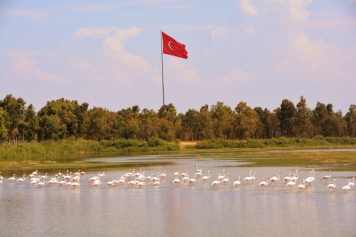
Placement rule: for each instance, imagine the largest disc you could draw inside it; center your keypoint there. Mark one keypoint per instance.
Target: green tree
(71, 116)
(190, 125)
(29, 126)
(2, 125)
(148, 124)
(50, 127)
(131, 120)
(168, 123)
(350, 118)
(320, 114)
(286, 116)
(246, 120)
(97, 123)
(205, 122)
(13, 114)
(222, 116)
(303, 119)
(261, 123)
(272, 124)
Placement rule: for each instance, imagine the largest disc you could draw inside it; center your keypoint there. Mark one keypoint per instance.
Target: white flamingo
(44, 176)
(198, 171)
(185, 179)
(34, 181)
(253, 176)
(41, 183)
(295, 177)
(111, 183)
(75, 184)
(225, 180)
(12, 178)
(215, 183)
(205, 178)
(264, 183)
(96, 183)
(221, 177)
(326, 177)
(249, 178)
(184, 174)
(154, 178)
(290, 184)
(176, 181)
(198, 175)
(274, 178)
(311, 178)
(191, 181)
(157, 183)
(346, 188)
(140, 184)
(287, 178)
(352, 183)
(163, 175)
(238, 182)
(20, 180)
(53, 181)
(332, 186)
(302, 186)
(138, 173)
(121, 181)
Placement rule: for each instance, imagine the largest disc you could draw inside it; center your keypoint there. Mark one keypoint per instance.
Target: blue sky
(107, 53)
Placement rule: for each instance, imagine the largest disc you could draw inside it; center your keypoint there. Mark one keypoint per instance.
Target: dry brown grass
(184, 145)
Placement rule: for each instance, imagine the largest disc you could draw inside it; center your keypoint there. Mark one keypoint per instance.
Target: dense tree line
(62, 119)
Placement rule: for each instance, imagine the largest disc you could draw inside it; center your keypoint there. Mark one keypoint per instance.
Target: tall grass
(82, 147)
(216, 143)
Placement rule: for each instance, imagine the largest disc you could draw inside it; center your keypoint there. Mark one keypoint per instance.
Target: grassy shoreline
(70, 154)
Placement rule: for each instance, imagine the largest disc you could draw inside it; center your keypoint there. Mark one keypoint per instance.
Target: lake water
(248, 210)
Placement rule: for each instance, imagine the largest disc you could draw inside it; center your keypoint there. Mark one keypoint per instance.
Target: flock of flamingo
(140, 179)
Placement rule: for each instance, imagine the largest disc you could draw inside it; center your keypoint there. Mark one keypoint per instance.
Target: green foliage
(2, 125)
(80, 146)
(275, 142)
(216, 143)
(63, 119)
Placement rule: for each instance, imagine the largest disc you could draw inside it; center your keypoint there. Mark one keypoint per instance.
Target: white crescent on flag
(169, 45)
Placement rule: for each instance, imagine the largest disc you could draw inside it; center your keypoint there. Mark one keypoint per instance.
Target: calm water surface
(249, 210)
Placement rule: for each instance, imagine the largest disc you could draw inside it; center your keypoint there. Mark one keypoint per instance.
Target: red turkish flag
(173, 47)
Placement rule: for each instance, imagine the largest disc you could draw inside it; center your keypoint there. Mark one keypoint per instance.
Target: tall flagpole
(162, 66)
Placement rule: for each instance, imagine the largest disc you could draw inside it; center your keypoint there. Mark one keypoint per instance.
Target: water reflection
(248, 210)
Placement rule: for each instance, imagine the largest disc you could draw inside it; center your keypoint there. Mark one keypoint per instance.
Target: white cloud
(81, 65)
(93, 32)
(331, 21)
(315, 61)
(313, 52)
(105, 6)
(233, 79)
(248, 29)
(248, 8)
(176, 71)
(298, 9)
(219, 33)
(32, 14)
(114, 44)
(187, 27)
(207, 52)
(25, 67)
